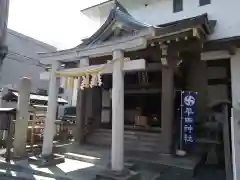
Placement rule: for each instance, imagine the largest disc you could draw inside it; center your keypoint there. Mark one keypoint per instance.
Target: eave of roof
(35, 97)
(201, 20)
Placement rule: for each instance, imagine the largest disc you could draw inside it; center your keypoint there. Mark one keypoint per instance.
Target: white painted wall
(158, 12)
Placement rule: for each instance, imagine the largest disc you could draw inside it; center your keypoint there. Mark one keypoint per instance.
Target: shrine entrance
(142, 101)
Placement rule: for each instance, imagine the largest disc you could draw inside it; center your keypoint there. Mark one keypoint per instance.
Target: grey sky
(56, 22)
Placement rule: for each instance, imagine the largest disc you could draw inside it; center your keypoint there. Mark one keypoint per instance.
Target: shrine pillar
(167, 115)
(118, 112)
(49, 127)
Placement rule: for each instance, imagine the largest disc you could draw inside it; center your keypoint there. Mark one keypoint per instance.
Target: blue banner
(188, 111)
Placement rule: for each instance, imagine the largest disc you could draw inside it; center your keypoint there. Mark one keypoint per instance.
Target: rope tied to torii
(88, 78)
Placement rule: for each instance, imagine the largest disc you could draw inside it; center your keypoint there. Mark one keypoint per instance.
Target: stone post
(49, 127)
(21, 124)
(118, 112)
(167, 109)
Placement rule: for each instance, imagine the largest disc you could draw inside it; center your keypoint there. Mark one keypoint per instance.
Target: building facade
(184, 46)
(21, 61)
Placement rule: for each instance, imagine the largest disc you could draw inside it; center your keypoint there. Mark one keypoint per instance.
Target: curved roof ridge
(118, 14)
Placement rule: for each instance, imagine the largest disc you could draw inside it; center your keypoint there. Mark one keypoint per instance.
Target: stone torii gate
(117, 68)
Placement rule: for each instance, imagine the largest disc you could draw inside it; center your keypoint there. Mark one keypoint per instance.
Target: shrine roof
(118, 20)
(14, 95)
(121, 28)
(201, 20)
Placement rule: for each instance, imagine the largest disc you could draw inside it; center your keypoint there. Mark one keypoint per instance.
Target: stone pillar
(167, 114)
(106, 106)
(118, 112)
(80, 108)
(235, 121)
(49, 127)
(21, 125)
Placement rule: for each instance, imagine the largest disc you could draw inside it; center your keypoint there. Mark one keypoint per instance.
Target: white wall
(161, 11)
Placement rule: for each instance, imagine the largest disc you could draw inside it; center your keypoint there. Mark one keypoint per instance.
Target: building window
(204, 2)
(177, 5)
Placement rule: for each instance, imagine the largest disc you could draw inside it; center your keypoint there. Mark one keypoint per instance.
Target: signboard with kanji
(188, 112)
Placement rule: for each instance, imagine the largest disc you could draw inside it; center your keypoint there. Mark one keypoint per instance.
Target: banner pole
(181, 123)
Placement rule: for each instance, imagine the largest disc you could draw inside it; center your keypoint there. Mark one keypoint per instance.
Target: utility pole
(4, 8)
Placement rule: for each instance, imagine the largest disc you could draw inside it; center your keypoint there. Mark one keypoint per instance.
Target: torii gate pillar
(49, 127)
(118, 112)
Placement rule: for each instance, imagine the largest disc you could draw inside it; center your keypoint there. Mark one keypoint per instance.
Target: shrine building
(130, 75)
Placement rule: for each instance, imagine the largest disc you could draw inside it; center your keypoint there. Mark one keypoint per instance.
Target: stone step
(127, 142)
(129, 146)
(128, 132)
(132, 140)
(166, 165)
(126, 139)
